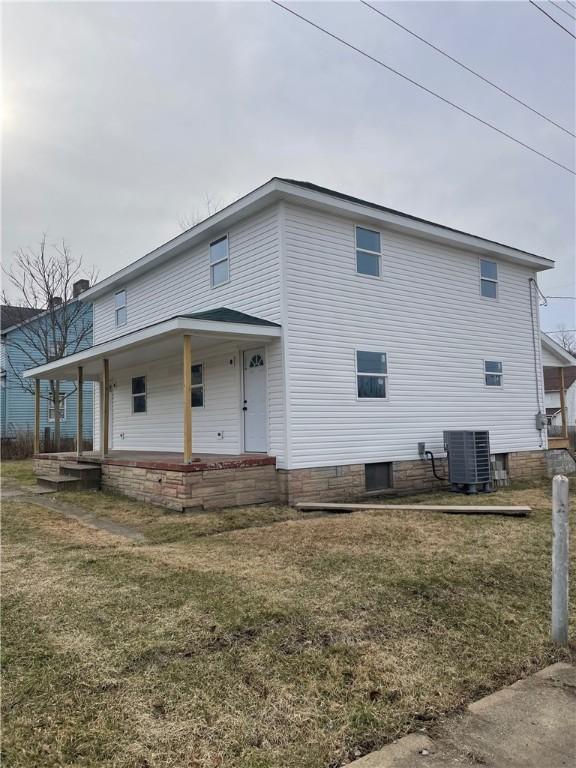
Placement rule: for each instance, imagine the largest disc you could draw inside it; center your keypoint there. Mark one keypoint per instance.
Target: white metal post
(560, 567)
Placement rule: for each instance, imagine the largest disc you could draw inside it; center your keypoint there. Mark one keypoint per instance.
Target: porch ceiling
(157, 341)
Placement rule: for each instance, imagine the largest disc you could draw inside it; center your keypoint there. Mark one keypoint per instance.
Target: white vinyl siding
(182, 285)
(429, 316)
(162, 428)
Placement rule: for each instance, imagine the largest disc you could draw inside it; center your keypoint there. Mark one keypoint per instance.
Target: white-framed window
(371, 375)
(197, 394)
(488, 279)
(219, 262)
(139, 394)
(120, 307)
(493, 373)
(51, 414)
(368, 252)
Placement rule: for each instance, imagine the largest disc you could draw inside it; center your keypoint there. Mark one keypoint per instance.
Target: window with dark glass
(51, 409)
(139, 394)
(493, 373)
(197, 386)
(219, 263)
(368, 253)
(371, 374)
(488, 279)
(120, 308)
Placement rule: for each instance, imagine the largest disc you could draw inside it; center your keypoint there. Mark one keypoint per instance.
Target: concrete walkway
(530, 724)
(31, 494)
(87, 518)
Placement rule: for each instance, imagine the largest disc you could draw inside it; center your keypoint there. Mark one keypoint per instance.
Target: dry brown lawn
(260, 638)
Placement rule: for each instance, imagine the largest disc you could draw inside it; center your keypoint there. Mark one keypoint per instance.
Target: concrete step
(79, 469)
(59, 483)
(88, 475)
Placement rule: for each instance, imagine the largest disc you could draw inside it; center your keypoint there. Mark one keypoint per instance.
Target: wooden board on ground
(468, 509)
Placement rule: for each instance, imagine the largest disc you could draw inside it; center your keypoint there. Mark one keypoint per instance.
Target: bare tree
(566, 339)
(44, 279)
(210, 206)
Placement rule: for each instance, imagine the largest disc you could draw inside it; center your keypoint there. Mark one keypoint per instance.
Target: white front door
(254, 406)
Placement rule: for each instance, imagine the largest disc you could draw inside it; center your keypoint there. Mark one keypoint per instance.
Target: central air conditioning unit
(468, 460)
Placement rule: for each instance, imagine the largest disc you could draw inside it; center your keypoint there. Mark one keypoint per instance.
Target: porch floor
(168, 460)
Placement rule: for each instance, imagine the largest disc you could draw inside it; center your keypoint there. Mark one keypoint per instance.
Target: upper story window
(139, 394)
(368, 252)
(219, 262)
(371, 374)
(120, 308)
(488, 279)
(198, 385)
(493, 373)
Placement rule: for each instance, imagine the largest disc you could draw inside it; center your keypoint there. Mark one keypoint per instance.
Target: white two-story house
(302, 342)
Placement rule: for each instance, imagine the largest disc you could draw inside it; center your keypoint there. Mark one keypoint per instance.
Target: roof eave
(174, 326)
(277, 189)
(556, 349)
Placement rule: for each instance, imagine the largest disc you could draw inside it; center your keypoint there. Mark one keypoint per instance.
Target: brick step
(88, 475)
(59, 482)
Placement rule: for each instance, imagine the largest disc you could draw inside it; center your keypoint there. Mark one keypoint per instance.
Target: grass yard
(259, 638)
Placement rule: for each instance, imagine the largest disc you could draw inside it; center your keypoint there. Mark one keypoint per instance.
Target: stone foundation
(345, 483)
(326, 483)
(214, 484)
(211, 488)
(527, 465)
(209, 484)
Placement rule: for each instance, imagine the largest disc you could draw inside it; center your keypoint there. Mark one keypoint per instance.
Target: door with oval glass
(254, 406)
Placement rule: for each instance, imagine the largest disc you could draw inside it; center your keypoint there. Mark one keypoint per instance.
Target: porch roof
(161, 340)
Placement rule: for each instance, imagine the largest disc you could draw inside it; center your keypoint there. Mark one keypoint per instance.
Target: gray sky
(121, 117)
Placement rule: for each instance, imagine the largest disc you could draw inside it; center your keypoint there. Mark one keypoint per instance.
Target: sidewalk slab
(530, 724)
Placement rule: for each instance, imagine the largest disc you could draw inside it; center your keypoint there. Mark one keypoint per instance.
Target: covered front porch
(182, 411)
(559, 367)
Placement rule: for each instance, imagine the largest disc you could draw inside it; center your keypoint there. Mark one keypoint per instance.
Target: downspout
(537, 362)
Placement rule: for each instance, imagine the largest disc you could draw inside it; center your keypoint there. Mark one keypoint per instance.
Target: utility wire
(572, 4)
(557, 5)
(551, 18)
(422, 87)
(570, 298)
(464, 66)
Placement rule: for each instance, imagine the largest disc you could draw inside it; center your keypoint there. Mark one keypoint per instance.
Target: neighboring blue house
(19, 351)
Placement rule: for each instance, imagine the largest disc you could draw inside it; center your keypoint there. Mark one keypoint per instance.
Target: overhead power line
(570, 298)
(551, 18)
(557, 5)
(571, 3)
(422, 87)
(467, 68)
